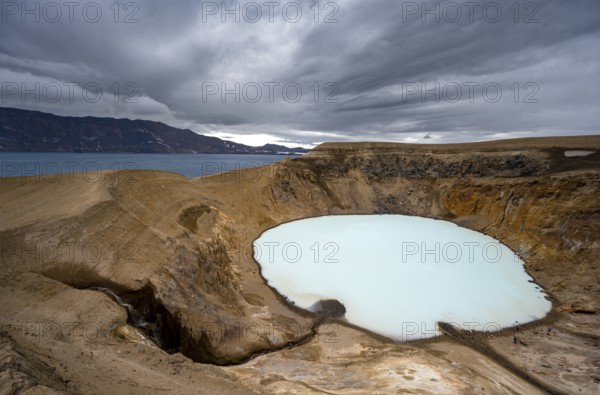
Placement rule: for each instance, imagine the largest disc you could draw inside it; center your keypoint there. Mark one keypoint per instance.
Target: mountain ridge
(36, 131)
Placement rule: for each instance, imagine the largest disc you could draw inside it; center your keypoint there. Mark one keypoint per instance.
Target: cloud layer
(301, 73)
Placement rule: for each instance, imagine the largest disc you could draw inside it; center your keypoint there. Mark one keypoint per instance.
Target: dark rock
(329, 308)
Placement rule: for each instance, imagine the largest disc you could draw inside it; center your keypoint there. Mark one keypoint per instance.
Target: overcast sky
(300, 74)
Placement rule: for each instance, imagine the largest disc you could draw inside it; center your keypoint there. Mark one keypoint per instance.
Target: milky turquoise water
(399, 276)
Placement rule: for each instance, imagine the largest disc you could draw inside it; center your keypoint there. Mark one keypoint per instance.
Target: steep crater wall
(194, 268)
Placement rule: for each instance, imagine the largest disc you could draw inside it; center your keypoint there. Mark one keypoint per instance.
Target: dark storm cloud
(369, 76)
(402, 48)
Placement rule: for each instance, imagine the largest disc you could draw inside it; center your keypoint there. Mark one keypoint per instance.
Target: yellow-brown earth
(179, 252)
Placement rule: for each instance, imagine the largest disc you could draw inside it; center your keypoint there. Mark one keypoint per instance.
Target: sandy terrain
(176, 256)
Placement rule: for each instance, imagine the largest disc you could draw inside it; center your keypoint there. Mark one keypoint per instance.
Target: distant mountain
(34, 131)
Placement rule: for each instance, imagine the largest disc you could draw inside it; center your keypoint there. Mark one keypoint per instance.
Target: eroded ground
(176, 256)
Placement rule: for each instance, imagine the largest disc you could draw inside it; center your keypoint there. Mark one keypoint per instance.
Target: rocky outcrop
(21, 372)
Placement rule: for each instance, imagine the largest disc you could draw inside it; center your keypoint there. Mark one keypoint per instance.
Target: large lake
(399, 276)
(17, 164)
